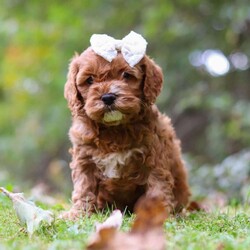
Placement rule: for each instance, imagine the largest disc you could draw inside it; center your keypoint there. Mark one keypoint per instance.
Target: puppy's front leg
(85, 185)
(160, 184)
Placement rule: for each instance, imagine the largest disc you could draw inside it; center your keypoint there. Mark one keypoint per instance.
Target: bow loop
(133, 47)
(104, 46)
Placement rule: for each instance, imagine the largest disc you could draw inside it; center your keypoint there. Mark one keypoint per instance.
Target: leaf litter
(147, 232)
(27, 212)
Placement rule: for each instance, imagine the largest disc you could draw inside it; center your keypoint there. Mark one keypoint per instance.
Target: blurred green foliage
(209, 110)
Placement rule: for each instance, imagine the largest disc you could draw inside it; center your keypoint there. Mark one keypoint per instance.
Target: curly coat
(116, 162)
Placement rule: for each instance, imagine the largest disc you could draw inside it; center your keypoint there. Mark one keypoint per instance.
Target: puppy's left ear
(153, 80)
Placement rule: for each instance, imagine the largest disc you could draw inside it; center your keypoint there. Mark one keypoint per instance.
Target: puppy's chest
(118, 164)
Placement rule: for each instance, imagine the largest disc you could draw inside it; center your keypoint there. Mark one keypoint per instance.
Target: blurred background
(203, 48)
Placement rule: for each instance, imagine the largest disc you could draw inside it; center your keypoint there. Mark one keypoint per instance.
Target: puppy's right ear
(71, 93)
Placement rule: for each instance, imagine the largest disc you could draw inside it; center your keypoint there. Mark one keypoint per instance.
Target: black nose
(108, 99)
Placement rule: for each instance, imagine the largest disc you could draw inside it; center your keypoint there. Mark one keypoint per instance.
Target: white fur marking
(111, 164)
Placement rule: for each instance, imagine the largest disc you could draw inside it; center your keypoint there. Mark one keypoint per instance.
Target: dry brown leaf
(150, 213)
(146, 233)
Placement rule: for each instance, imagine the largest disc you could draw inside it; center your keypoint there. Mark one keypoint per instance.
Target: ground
(224, 228)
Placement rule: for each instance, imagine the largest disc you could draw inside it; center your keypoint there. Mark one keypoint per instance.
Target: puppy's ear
(153, 80)
(71, 93)
(88, 130)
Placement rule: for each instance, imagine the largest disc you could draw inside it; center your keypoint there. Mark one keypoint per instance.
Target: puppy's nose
(108, 99)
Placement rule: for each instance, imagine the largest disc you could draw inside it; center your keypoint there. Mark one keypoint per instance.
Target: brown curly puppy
(123, 147)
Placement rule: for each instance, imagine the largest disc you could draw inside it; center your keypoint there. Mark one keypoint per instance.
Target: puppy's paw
(73, 214)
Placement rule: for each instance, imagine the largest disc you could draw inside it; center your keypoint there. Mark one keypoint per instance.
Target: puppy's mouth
(113, 117)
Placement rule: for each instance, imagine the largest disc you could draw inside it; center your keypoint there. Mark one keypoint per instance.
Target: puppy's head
(111, 93)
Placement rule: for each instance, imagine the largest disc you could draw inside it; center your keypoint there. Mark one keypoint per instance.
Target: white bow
(133, 47)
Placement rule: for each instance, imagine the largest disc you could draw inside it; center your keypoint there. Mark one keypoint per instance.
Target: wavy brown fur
(144, 139)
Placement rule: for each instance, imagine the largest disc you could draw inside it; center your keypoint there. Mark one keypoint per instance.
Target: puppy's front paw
(72, 214)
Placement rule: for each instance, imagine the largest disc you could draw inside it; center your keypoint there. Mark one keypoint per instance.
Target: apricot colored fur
(143, 143)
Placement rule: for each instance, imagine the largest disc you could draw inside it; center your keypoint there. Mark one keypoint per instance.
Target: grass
(221, 229)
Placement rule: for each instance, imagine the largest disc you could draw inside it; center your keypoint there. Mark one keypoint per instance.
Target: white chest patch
(111, 164)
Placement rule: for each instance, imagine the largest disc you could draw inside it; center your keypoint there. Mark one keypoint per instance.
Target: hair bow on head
(133, 47)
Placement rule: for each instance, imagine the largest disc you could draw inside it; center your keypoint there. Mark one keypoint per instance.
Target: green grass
(227, 229)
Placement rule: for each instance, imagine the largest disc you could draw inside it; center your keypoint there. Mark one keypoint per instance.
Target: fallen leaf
(27, 212)
(115, 221)
(150, 213)
(146, 234)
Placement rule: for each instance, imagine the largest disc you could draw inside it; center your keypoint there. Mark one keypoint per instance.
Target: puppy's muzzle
(108, 98)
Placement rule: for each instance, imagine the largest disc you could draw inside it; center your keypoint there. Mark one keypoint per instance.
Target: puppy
(123, 147)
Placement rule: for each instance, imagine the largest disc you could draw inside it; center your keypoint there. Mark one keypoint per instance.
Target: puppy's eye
(90, 80)
(126, 75)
